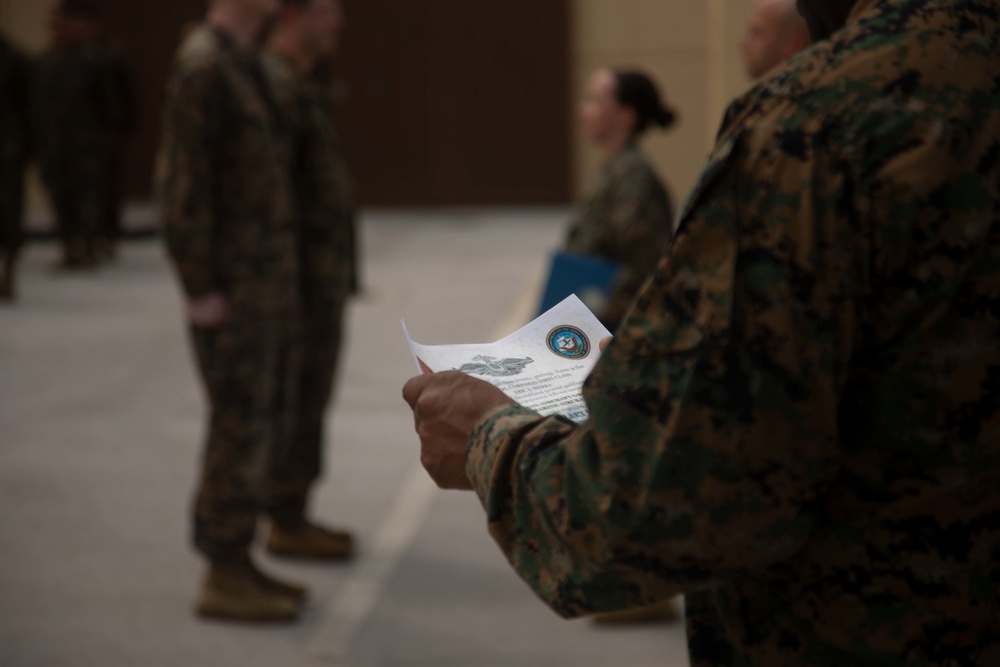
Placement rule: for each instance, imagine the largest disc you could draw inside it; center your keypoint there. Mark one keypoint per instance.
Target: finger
(414, 388)
(605, 342)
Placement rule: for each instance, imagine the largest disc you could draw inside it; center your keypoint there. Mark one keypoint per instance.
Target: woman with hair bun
(628, 218)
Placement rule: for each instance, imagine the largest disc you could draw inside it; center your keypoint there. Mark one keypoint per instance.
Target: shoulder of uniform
(201, 50)
(200, 62)
(633, 165)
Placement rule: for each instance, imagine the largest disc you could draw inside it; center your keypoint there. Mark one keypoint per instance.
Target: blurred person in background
(231, 233)
(628, 218)
(774, 32)
(307, 32)
(85, 109)
(15, 91)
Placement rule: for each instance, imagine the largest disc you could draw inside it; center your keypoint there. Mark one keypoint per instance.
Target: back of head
(637, 91)
(774, 32)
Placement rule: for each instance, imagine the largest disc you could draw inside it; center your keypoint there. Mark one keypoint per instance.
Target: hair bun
(665, 117)
(637, 91)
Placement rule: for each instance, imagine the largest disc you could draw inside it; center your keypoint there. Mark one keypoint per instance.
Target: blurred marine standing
(230, 230)
(628, 218)
(86, 107)
(15, 91)
(307, 32)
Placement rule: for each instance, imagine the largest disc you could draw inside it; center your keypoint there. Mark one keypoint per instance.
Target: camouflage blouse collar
(610, 164)
(628, 149)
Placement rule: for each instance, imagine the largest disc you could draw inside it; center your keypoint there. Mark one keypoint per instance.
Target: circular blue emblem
(569, 342)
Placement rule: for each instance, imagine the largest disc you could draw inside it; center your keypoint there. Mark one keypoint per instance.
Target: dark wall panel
(458, 102)
(448, 101)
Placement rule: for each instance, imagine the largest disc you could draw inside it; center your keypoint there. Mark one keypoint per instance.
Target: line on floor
(355, 604)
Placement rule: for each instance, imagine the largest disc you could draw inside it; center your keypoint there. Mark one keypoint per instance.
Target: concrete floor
(100, 430)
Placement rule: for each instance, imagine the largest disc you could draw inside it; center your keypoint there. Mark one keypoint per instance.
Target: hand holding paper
(446, 408)
(541, 366)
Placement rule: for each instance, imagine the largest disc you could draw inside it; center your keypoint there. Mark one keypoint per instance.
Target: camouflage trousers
(86, 196)
(246, 369)
(300, 462)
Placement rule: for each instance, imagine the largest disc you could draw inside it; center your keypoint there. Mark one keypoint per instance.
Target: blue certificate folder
(590, 278)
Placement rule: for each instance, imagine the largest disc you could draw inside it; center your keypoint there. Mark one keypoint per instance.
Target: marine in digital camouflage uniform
(628, 218)
(85, 108)
(324, 214)
(229, 228)
(798, 422)
(15, 89)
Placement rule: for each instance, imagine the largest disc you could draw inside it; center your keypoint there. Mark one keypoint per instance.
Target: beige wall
(23, 21)
(690, 47)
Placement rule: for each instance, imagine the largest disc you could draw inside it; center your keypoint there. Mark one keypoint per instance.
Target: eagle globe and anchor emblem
(568, 342)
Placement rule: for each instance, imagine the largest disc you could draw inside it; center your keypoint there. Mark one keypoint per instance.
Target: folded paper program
(542, 366)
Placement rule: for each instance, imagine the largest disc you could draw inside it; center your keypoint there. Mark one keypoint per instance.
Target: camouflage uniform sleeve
(713, 424)
(191, 143)
(641, 227)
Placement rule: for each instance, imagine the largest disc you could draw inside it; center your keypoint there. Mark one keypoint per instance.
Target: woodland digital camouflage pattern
(323, 204)
(627, 220)
(229, 227)
(85, 107)
(799, 423)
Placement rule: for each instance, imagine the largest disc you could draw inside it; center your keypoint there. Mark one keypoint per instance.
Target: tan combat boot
(238, 591)
(305, 540)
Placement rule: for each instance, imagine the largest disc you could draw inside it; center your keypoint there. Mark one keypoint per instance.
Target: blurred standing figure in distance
(628, 218)
(15, 92)
(230, 231)
(797, 425)
(308, 31)
(86, 107)
(774, 32)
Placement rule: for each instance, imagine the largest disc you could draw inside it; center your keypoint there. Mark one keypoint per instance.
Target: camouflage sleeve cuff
(488, 438)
